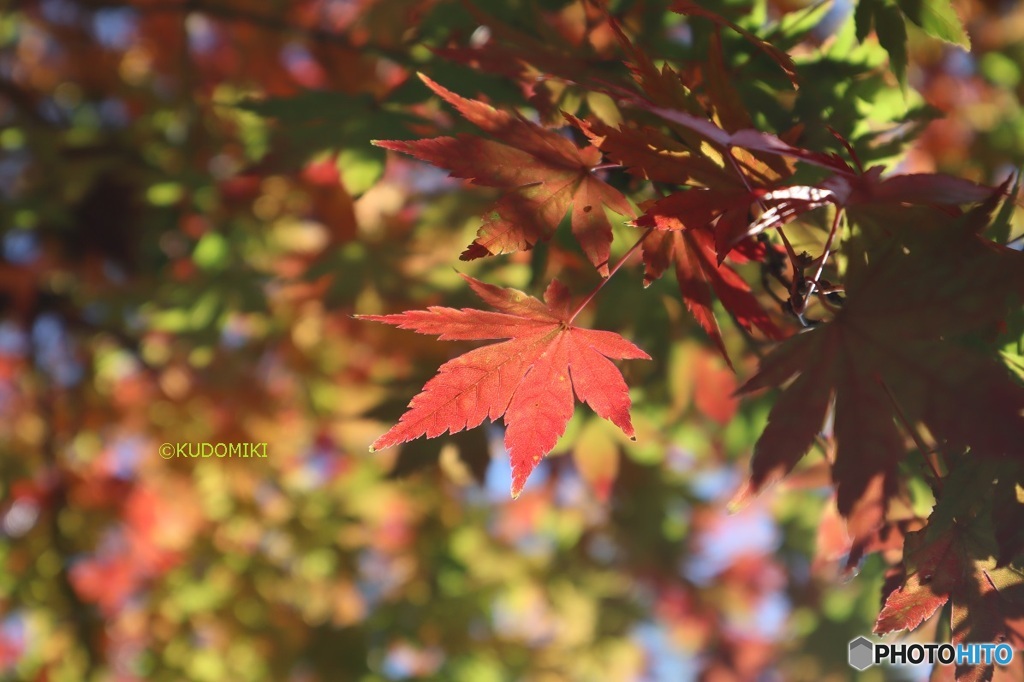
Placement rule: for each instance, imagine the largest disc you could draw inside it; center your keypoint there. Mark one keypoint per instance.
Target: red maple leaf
(726, 208)
(528, 379)
(699, 276)
(544, 174)
(952, 559)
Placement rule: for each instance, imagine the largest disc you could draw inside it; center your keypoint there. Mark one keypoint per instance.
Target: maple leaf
(662, 86)
(563, 51)
(913, 293)
(1008, 512)
(988, 602)
(748, 139)
(543, 173)
(651, 154)
(726, 207)
(529, 379)
(952, 559)
(784, 61)
(700, 276)
(724, 96)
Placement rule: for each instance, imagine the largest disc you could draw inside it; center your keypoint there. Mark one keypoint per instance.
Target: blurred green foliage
(192, 211)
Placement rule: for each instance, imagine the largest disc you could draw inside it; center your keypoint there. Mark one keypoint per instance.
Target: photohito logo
(865, 653)
(861, 653)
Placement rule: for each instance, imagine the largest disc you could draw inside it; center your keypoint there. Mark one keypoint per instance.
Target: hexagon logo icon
(862, 653)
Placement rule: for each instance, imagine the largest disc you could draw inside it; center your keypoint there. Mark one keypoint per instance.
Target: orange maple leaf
(543, 173)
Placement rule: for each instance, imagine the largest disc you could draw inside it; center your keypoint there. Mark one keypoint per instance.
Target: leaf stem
(760, 203)
(615, 268)
(824, 257)
(739, 171)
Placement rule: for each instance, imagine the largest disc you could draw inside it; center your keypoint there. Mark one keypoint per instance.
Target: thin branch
(611, 273)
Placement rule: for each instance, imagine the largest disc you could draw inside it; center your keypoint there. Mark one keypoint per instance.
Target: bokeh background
(191, 212)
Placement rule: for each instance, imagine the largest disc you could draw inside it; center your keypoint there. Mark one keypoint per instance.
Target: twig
(615, 268)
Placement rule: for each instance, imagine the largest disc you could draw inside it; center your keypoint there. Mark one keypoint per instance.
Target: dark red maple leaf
(528, 379)
(913, 293)
(544, 174)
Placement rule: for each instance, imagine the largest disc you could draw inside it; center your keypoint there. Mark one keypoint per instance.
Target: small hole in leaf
(588, 209)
